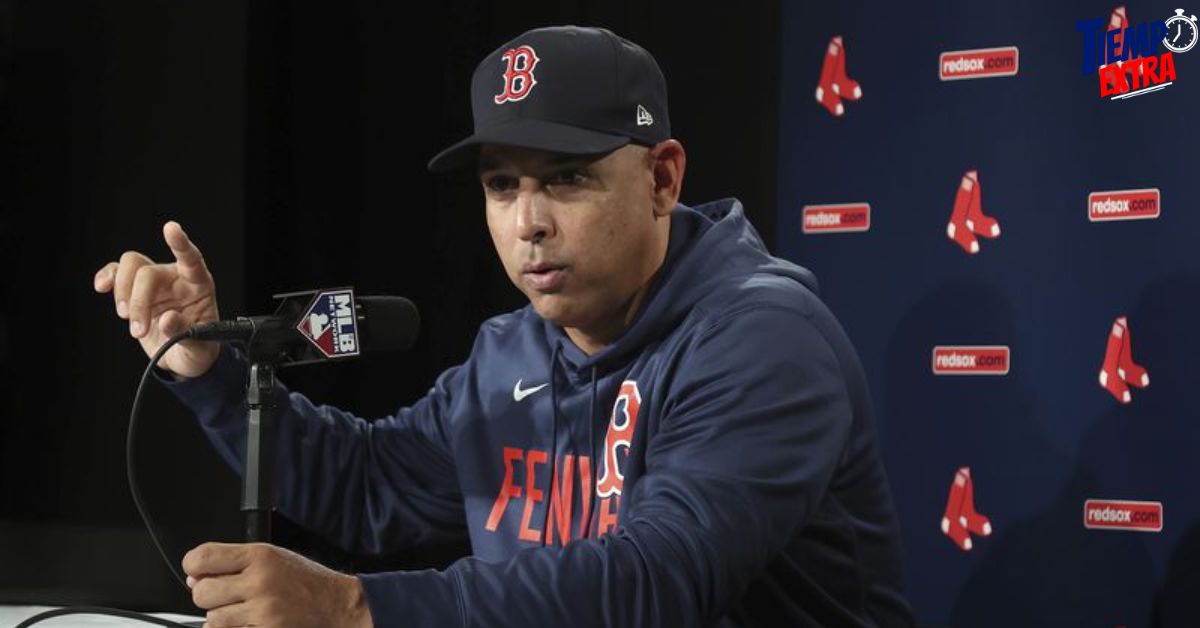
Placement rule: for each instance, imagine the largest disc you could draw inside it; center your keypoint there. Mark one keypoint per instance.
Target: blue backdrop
(1046, 437)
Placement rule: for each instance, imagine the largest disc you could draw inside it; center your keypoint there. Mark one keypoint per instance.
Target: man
(674, 432)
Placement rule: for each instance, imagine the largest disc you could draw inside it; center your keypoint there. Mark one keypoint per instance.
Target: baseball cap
(566, 89)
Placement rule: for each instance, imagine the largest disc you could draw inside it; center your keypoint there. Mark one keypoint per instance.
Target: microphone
(318, 325)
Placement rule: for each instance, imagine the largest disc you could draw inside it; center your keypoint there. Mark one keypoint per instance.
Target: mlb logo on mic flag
(330, 323)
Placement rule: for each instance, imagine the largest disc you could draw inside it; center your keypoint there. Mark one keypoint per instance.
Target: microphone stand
(266, 350)
(258, 482)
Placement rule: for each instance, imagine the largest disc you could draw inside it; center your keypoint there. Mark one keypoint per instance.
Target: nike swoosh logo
(519, 394)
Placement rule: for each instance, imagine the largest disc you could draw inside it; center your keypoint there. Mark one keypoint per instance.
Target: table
(12, 615)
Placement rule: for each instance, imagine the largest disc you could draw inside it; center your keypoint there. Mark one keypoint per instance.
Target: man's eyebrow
(487, 163)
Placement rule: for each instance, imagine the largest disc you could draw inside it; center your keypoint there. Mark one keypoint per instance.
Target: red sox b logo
(518, 77)
(620, 434)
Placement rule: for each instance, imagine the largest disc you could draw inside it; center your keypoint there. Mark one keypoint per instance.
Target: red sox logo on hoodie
(525, 493)
(620, 434)
(518, 77)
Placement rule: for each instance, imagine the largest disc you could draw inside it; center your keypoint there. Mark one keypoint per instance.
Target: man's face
(577, 235)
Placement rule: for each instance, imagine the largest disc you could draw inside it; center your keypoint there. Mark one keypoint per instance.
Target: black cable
(100, 610)
(129, 449)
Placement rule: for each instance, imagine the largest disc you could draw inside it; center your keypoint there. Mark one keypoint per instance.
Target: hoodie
(717, 464)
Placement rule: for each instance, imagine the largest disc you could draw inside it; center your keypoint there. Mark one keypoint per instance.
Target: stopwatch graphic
(1181, 32)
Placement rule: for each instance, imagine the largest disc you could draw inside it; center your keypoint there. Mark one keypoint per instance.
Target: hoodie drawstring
(553, 442)
(554, 448)
(592, 450)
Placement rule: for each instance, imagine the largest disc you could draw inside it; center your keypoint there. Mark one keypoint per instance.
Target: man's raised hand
(161, 300)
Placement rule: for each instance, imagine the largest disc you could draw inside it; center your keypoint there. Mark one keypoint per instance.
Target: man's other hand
(257, 584)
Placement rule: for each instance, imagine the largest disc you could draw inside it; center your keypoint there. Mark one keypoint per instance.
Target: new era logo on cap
(564, 89)
(643, 117)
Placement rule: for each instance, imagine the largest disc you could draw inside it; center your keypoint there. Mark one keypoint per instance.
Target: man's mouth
(544, 276)
(540, 267)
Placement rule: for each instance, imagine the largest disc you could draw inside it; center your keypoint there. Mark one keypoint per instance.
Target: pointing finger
(188, 258)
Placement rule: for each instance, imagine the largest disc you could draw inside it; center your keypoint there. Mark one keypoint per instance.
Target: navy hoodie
(717, 464)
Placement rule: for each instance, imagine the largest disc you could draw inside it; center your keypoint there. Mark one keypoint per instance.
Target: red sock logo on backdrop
(1119, 368)
(967, 219)
(960, 520)
(834, 84)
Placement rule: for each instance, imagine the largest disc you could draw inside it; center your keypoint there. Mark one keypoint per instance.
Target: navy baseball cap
(566, 89)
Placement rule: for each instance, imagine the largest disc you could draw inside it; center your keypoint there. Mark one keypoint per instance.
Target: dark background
(290, 141)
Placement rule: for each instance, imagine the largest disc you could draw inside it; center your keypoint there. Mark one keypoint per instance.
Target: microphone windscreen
(388, 323)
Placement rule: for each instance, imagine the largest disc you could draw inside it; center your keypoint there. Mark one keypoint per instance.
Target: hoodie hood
(709, 245)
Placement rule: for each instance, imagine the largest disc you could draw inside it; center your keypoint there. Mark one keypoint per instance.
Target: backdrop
(1023, 138)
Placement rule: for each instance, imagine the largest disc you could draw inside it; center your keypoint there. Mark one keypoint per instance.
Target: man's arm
(755, 425)
(370, 486)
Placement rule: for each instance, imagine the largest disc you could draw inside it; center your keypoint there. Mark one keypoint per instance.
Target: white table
(12, 615)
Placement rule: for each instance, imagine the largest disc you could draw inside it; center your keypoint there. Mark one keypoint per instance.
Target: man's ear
(667, 161)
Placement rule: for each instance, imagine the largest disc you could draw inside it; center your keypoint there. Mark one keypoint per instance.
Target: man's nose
(534, 222)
